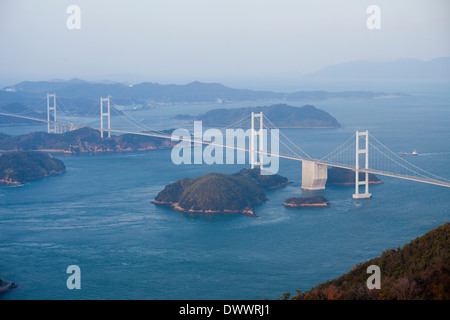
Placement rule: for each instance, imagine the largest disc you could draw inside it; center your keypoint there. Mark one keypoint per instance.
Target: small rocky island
(345, 177)
(23, 166)
(314, 201)
(83, 140)
(6, 285)
(220, 193)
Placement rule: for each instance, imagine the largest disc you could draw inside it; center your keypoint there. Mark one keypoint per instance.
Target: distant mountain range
(403, 69)
(81, 97)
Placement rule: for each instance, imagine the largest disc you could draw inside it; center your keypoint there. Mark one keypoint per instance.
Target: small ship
(405, 154)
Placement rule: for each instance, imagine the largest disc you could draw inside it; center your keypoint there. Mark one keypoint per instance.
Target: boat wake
(433, 153)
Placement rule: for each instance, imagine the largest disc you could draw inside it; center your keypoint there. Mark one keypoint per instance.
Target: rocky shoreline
(6, 286)
(93, 151)
(315, 201)
(10, 182)
(292, 205)
(176, 207)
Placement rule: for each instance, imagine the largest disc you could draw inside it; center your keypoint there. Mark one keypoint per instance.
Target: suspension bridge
(353, 154)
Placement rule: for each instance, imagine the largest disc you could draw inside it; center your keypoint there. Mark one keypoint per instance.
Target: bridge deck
(285, 156)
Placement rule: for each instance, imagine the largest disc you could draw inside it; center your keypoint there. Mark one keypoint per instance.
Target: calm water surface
(99, 215)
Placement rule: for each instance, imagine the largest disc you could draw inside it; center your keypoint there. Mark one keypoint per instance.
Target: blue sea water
(99, 215)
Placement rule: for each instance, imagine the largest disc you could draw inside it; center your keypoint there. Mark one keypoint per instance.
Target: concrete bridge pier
(314, 175)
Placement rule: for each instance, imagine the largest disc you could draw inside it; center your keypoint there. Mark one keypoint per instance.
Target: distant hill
(22, 167)
(82, 96)
(281, 115)
(43, 86)
(219, 193)
(402, 69)
(83, 140)
(418, 271)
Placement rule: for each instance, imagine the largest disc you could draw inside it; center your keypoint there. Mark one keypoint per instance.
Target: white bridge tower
(256, 147)
(105, 114)
(51, 107)
(364, 151)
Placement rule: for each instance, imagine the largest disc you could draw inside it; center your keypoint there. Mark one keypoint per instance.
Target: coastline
(10, 182)
(176, 207)
(84, 151)
(293, 205)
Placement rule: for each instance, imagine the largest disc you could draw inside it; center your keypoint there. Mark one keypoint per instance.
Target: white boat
(405, 154)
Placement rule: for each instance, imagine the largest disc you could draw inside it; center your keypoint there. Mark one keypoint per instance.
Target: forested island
(281, 115)
(341, 176)
(83, 140)
(418, 271)
(314, 201)
(220, 193)
(21, 167)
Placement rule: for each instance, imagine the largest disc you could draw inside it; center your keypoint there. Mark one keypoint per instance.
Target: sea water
(99, 214)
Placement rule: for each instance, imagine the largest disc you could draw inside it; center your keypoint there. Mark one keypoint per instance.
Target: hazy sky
(177, 41)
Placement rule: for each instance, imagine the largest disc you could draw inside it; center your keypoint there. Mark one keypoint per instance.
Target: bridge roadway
(291, 157)
(36, 119)
(280, 155)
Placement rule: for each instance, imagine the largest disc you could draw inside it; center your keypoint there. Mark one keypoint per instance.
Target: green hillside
(418, 271)
(217, 192)
(21, 167)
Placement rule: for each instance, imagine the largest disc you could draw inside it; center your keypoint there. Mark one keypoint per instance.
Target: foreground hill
(21, 167)
(420, 270)
(219, 193)
(83, 140)
(281, 115)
